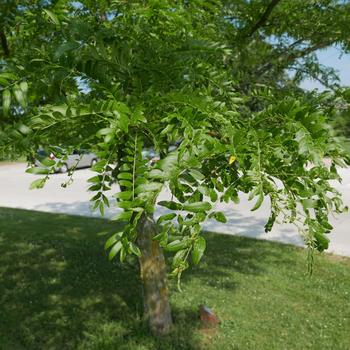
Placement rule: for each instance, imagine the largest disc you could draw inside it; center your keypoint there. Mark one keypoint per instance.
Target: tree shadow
(59, 291)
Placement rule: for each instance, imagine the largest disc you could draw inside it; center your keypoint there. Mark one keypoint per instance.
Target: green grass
(58, 291)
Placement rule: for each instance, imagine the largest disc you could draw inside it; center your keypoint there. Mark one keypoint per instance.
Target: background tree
(116, 76)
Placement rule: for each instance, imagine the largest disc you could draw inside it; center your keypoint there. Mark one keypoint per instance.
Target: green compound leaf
(198, 250)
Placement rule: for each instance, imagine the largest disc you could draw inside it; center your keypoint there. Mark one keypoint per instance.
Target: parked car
(79, 159)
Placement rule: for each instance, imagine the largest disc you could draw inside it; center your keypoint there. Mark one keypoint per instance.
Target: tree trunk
(153, 275)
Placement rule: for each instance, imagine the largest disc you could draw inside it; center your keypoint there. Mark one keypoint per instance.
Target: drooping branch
(4, 43)
(263, 19)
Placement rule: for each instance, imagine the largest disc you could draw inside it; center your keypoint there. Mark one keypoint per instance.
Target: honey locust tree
(207, 76)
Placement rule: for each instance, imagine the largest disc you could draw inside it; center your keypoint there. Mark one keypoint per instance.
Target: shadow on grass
(58, 290)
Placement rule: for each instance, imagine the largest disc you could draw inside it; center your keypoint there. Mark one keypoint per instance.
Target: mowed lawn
(58, 291)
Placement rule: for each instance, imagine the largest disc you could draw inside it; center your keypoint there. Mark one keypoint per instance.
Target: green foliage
(137, 196)
(121, 76)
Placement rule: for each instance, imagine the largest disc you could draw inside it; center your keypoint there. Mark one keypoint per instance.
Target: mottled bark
(153, 275)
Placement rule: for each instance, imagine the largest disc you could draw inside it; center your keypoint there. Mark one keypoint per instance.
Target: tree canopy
(213, 77)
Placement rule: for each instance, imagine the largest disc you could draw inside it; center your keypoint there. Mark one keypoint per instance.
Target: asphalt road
(15, 193)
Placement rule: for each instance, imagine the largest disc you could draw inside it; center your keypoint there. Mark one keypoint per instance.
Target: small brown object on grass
(208, 317)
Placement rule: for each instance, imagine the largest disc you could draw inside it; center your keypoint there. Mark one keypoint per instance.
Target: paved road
(15, 193)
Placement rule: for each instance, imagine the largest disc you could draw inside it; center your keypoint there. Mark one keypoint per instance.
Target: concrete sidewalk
(15, 193)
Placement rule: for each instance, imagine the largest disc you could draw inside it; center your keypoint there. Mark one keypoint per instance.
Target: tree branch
(307, 51)
(315, 77)
(265, 16)
(4, 43)
(285, 59)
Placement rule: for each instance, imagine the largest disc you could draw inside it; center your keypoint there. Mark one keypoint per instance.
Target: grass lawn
(58, 291)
